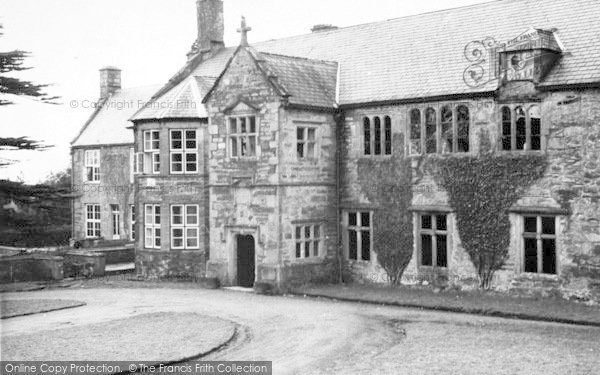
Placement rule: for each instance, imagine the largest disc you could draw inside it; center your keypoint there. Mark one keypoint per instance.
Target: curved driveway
(310, 336)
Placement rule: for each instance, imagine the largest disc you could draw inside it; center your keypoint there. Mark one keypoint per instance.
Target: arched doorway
(245, 260)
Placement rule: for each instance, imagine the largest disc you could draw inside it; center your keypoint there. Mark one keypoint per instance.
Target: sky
(70, 40)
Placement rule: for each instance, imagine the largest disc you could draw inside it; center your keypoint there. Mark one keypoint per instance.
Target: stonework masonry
(570, 124)
(114, 187)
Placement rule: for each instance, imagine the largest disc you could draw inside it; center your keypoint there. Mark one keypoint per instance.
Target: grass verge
(470, 302)
(14, 308)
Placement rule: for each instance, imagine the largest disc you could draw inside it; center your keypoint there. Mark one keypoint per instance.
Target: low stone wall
(165, 264)
(116, 255)
(84, 263)
(31, 267)
(303, 273)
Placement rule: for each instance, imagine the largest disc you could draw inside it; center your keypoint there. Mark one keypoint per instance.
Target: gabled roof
(307, 82)
(109, 123)
(423, 56)
(182, 101)
(301, 81)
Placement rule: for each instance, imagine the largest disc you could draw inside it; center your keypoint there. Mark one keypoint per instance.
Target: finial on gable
(244, 31)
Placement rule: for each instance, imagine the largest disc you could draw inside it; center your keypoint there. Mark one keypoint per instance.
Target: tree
(12, 61)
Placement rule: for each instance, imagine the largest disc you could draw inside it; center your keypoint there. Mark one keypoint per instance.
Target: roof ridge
(298, 57)
(342, 28)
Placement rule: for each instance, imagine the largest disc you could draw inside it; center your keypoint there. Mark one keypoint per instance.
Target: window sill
(432, 269)
(521, 152)
(440, 155)
(363, 156)
(92, 182)
(312, 260)
(359, 261)
(538, 276)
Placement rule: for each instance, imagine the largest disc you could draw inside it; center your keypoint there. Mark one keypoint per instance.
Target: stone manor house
(263, 162)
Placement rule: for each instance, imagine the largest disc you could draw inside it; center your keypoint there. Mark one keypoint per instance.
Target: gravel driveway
(324, 337)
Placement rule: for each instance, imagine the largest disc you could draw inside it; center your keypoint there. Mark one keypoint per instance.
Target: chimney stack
(210, 27)
(323, 27)
(110, 81)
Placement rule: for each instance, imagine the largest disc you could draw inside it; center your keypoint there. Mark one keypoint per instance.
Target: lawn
(160, 337)
(13, 308)
(474, 302)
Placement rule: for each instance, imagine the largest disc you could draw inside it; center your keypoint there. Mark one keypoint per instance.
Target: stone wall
(167, 189)
(32, 267)
(264, 195)
(115, 187)
(571, 185)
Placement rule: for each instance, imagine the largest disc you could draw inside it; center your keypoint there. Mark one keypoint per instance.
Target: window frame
(359, 229)
(184, 151)
(153, 226)
(433, 232)
(527, 109)
(305, 141)
(439, 138)
(96, 211)
(238, 134)
(301, 241)
(184, 226)
(149, 139)
(91, 162)
(132, 218)
(538, 236)
(377, 126)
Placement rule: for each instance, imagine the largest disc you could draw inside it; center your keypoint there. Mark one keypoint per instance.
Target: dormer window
(530, 56)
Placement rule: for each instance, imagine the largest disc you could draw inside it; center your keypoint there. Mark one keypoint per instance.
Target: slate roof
(422, 56)
(182, 101)
(108, 124)
(307, 82)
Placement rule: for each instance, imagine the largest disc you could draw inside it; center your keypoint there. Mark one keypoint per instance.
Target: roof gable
(301, 81)
(109, 122)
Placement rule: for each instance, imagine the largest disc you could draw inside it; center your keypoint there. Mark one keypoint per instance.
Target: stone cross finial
(244, 31)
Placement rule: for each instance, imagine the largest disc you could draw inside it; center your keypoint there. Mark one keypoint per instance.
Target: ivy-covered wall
(564, 179)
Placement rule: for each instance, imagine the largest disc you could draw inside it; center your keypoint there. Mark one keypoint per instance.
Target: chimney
(110, 81)
(210, 27)
(323, 27)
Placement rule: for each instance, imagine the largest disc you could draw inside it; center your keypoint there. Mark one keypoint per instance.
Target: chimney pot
(110, 81)
(323, 27)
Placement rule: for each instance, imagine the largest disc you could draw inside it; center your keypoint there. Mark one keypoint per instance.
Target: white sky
(148, 39)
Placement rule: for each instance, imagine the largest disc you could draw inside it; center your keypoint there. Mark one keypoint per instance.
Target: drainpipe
(339, 122)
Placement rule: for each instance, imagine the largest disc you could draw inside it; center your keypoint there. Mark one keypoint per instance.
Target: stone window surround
(184, 151)
(526, 107)
(238, 135)
(91, 166)
(345, 234)
(385, 143)
(96, 220)
(306, 141)
(152, 225)
(312, 239)
(184, 226)
(433, 232)
(516, 216)
(437, 107)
